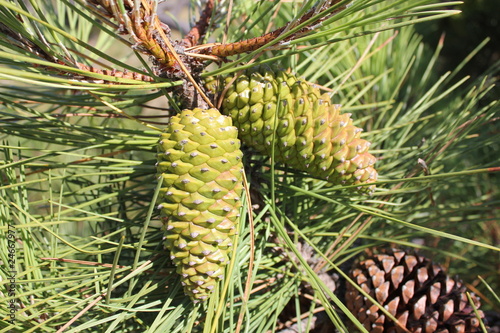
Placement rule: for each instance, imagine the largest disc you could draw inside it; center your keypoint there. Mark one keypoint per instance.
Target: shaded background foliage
(479, 19)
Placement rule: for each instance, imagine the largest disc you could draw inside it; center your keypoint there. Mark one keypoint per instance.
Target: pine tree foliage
(82, 105)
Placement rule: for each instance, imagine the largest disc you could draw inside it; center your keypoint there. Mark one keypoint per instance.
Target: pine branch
(141, 21)
(26, 43)
(77, 180)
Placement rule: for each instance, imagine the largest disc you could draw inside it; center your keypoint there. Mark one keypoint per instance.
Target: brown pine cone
(417, 292)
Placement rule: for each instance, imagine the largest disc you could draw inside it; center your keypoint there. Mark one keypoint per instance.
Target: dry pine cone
(417, 292)
(200, 165)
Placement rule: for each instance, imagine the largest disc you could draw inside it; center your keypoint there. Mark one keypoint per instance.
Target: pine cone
(274, 110)
(200, 162)
(417, 292)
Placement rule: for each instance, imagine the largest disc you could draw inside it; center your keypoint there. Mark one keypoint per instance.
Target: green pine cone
(200, 165)
(276, 110)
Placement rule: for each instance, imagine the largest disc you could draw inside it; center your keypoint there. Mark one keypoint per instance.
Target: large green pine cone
(200, 164)
(276, 110)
